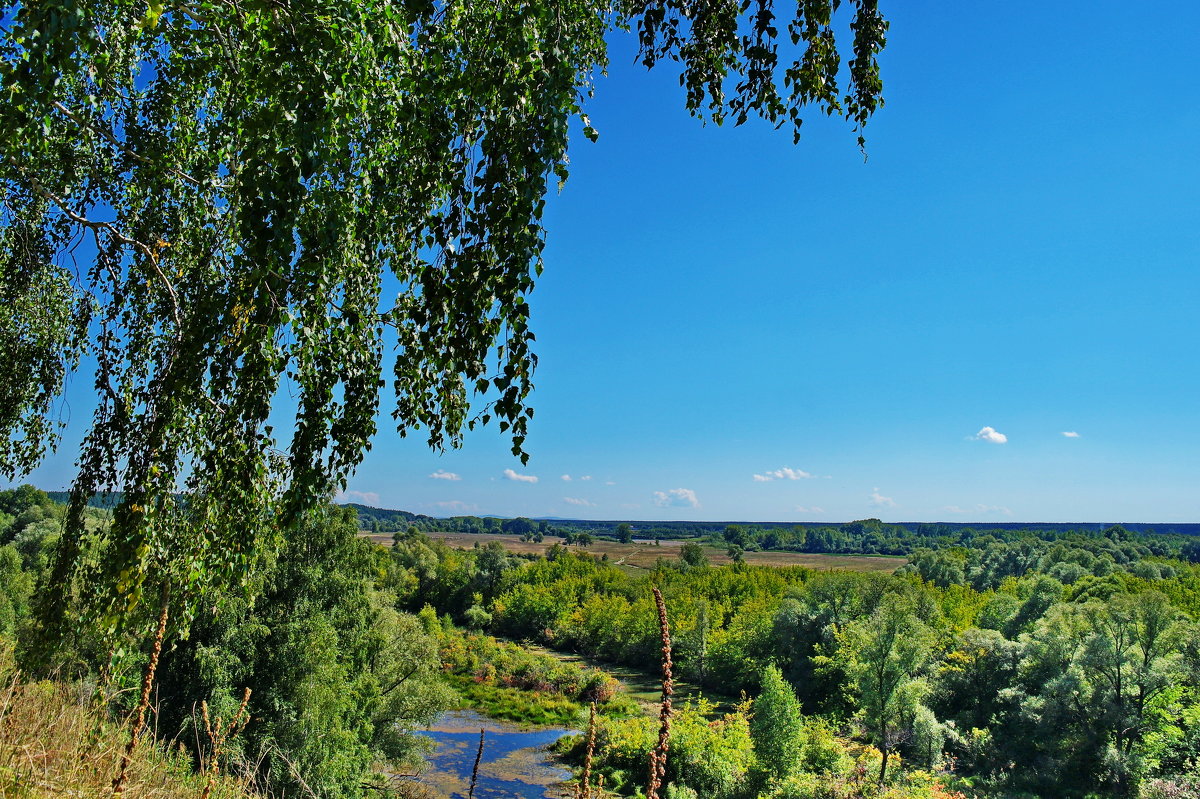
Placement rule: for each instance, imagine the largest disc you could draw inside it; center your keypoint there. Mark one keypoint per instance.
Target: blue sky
(1017, 254)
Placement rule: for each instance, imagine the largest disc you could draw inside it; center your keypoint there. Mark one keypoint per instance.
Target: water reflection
(516, 762)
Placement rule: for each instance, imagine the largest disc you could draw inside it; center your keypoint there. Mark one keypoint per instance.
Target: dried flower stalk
(218, 736)
(139, 722)
(585, 790)
(658, 757)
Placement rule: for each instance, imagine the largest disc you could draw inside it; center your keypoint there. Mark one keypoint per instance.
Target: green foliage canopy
(249, 176)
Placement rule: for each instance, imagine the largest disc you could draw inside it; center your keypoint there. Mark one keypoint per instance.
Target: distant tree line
(860, 537)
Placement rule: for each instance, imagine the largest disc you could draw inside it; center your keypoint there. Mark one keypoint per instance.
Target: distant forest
(864, 536)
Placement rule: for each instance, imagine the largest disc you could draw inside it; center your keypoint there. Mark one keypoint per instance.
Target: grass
(640, 555)
(54, 742)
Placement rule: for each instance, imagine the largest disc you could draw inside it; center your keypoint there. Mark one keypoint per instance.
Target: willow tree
(220, 202)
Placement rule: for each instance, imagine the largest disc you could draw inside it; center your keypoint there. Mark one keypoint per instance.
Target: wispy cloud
(586, 477)
(1070, 434)
(980, 509)
(783, 474)
(810, 509)
(880, 501)
(509, 474)
(457, 506)
(583, 503)
(676, 498)
(566, 478)
(361, 497)
(609, 483)
(990, 435)
(442, 474)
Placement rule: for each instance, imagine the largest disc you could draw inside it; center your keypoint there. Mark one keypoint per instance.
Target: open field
(642, 554)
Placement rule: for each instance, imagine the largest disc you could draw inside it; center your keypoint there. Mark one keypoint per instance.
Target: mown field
(643, 554)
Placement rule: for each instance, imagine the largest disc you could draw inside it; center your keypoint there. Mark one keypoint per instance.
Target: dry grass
(640, 555)
(55, 743)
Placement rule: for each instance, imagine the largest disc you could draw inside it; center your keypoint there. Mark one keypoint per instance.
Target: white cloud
(586, 477)
(990, 435)
(361, 497)
(980, 509)
(1070, 434)
(676, 498)
(581, 502)
(880, 501)
(811, 509)
(783, 474)
(509, 474)
(457, 506)
(566, 478)
(442, 474)
(610, 483)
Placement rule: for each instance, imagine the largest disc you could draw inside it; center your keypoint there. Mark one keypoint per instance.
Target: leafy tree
(518, 526)
(736, 536)
(707, 758)
(807, 627)
(339, 681)
(974, 676)
(692, 555)
(776, 728)
(1042, 594)
(491, 562)
(884, 655)
(15, 588)
(1191, 551)
(691, 643)
(1130, 657)
(624, 533)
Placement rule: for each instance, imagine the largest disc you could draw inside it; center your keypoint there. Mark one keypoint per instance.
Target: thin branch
(150, 253)
(475, 770)
(115, 142)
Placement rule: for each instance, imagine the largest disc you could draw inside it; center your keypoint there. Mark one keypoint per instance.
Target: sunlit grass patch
(54, 742)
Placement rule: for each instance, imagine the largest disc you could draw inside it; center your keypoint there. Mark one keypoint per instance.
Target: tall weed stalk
(658, 756)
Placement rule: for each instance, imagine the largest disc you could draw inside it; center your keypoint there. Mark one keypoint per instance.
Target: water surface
(516, 761)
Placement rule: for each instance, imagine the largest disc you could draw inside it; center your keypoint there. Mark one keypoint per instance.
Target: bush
(500, 677)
